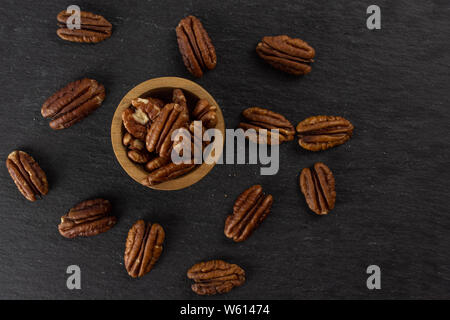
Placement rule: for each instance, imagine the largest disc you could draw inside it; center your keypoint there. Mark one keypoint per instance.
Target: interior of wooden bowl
(161, 88)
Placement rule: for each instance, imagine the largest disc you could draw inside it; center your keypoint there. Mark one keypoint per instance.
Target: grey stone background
(392, 176)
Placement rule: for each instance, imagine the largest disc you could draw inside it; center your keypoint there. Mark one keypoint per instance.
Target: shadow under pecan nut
(86, 219)
(167, 172)
(259, 119)
(158, 139)
(93, 28)
(73, 103)
(250, 209)
(215, 276)
(318, 186)
(143, 247)
(195, 46)
(323, 132)
(28, 176)
(287, 54)
(206, 113)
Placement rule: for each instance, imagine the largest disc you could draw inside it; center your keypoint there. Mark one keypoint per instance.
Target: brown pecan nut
(178, 97)
(250, 209)
(195, 46)
(323, 132)
(206, 113)
(158, 139)
(73, 103)
(317, 185)
(87, 218)
(156, 163)
(132, 143)
(28, 176)
(93, 28)
(151, 106)
(287, 54)
(139, 156)
(135, 122)
(167, 172)
(215, 276)
(143, 247)
(260, 119)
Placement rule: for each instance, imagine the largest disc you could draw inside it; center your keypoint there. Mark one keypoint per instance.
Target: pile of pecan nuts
(148, 124)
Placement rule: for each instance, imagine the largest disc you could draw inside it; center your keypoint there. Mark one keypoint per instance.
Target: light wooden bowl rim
(136, 171)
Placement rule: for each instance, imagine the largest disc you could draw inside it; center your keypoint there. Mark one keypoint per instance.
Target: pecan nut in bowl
(287, 54)
(250, 209)
(195, 46)
(86, 219)
(259, 119)
(93, 28)
(167, 172)
(215, 276)
(73, 103)
(205, 113)
(318, 186)
(28, 176)
(143, 247)
(323, 132)
(151, 106)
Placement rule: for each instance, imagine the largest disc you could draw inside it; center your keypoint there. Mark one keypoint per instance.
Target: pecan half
(73, 103)
(206, 113)
(215, 276)
(28, 176)
(132, 143)
(139, 156)
(87, 218)
(167, 172)
(151, 106)
(317, 185)
(156, 163)
(135, 122)
(323, 132)
(158, 139)
(178, 97)
(143, 247)
(93, 28)
(286, 54)
(250, 209)
(259, 118)
(195, 46)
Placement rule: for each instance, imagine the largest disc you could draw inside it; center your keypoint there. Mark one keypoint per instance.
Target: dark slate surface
(392, 177)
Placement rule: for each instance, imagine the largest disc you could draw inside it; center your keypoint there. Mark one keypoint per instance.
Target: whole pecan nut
(87, 218)
(156, 163)
(28, 176)
(287, 54)
(151, 106)
(195, 46)
(93, 28)
(323, 132)
(143, 247)
(167, 172)
(73, 103)
(206, 113)
(259, 118)
(250, 209)
(173, 116)
(215, 276)
(139, 156)
(317, 185)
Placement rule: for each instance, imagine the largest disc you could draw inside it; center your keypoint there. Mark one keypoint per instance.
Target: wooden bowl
(161, 88)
